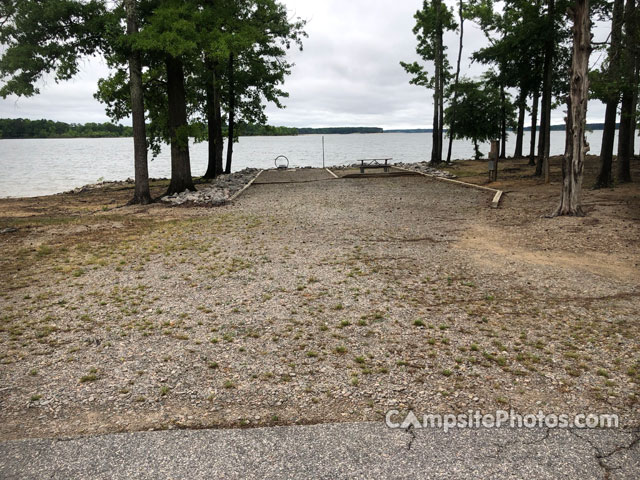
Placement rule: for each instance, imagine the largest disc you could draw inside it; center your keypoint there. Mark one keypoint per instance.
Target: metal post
(493, 161)
(323, 151)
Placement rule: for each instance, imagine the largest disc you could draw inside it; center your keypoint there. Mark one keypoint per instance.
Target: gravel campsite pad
(329, 300)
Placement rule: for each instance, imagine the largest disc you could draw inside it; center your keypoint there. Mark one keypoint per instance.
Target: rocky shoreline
(217, 192)
(221, 189)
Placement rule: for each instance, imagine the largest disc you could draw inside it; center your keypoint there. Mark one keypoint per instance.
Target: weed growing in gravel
(92, 376)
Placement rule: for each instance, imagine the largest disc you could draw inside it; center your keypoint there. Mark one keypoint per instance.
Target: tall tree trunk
(573, 164)
(211, 122)
(627, 115)
(214, 123)
(457, 79)
(441, 108)
(534, 127)
(634, 108)
(545, 121)
(219, 138)
(522, 111)
(503, 123)
(436, 149)
(232, 114)
(181, 179)
(605, 177)
(141, 195)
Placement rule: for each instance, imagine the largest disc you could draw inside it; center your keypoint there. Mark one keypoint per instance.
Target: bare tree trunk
(522, 110)
(181, 179)
(441, 107)
(436, 148)
(141, 195)
(627, 115)
(232, 114)
(605, 177)
(545, 121)
(534, 127)
(214, 124)
(457, 78)
(218, 127)
(573, 164)
(503, 123)
(211, 122)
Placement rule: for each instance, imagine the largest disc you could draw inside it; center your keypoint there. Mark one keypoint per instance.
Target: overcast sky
(347, 75)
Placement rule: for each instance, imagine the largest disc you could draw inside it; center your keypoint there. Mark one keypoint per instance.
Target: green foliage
(47, 38)
(479, 112)
(258, 34)
(433, 19)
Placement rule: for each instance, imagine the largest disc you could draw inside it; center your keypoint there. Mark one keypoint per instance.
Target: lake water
(46, 166)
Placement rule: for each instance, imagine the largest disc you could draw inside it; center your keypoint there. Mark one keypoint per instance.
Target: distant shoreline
(21, 129)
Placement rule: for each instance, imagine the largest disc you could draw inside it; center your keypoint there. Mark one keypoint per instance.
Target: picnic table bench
(374, 163)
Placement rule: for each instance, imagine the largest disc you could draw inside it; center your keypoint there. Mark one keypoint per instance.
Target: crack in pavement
(411, 431)
(501, 447)
(601, 456)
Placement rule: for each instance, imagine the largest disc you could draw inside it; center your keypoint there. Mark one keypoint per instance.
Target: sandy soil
(317, 301)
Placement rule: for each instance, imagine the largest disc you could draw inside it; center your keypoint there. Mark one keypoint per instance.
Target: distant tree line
(339, 130)
(24, 128)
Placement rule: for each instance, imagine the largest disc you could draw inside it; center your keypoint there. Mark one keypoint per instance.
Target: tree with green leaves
(461, 17)
(432, 21)
(50, 38)
(142, 194)
(46, 39)
(479, 112)
(261, 35)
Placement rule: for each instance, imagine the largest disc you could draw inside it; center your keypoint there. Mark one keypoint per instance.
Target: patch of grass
(229, 384)
(418, 323)
(92, 376)
(44, 250)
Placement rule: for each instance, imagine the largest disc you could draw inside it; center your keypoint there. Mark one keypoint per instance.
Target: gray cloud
(348, 73)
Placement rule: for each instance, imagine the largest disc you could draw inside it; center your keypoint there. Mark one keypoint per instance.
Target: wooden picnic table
(374, 163)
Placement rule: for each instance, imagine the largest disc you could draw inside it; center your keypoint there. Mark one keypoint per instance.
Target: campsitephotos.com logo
(499, 419)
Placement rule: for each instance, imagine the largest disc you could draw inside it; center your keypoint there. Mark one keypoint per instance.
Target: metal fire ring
(281, 165)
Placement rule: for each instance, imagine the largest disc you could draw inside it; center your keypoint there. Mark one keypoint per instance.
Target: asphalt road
(356, 450)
